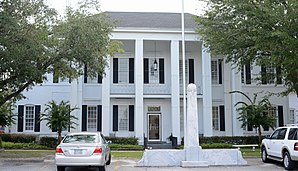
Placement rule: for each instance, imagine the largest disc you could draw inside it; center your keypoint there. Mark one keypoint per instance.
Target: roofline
(148, 30)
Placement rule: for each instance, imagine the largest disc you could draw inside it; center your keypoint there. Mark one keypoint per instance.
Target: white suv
(282, 145)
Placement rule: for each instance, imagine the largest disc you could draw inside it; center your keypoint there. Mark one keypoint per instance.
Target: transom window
(123, 117)
(29, 118)
(92, 117)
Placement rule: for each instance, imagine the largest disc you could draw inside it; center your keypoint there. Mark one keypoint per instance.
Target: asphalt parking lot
(254, 164)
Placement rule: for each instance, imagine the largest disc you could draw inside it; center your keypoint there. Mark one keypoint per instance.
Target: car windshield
(80, 139)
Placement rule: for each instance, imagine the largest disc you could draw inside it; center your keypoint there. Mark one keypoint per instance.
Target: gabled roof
(152, 20)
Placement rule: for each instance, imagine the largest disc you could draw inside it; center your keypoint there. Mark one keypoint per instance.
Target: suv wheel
(102, 168)
(287, 161)
(60, 168)
(264, 155)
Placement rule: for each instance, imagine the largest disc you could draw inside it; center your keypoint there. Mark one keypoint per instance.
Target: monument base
(194, 164)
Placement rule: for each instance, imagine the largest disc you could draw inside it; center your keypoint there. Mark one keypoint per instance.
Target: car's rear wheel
(264, 155)
(102, 168)
(109, 160)
(287, 161)
(60, 168)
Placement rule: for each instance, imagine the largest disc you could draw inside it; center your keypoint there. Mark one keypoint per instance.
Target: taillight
(59, 150)
(97, 150)
(296, 146)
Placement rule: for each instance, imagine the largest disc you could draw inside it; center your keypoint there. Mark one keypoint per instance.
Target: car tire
(109, 160)
(102, 168)
(264, 155)
(60, 168)
(289, 164)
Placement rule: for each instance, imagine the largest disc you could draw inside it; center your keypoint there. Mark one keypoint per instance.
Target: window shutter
(99, 78)
(278, 75)
(131, 118)
(85, 74)
(84, 117)
(219, 71)
(263, 75)
(115, 117)
(280, 116)
(99, 118)
(222, 118)
(115, 70)
(161, 71)
(249, 127)
(131, 70)
(146, 70)
(191, 71)
(20, 118)
(37, 119)
(247, 74)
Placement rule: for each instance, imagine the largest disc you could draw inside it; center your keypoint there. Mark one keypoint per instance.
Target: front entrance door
(154, 127)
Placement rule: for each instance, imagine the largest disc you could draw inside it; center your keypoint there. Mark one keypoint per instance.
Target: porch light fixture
(155, 62)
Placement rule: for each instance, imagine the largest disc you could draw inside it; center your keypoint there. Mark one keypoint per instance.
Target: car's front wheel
(264, 155)
(60, 168)
(102, 168)
(288, 162)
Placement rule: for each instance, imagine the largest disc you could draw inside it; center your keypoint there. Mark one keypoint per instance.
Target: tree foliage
(260, 31)
(6, 114)
(255, 113)
(34, 42)
(58, 117)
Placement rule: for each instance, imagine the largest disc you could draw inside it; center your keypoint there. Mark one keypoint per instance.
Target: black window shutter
(131, 118)
(20, 118)
(131, 68)
(99, 78)
(220, 71)
(242, 74)
(222, 118)
(99, 118)
(266, 128)
(37, 119)
(249, 127)
(161, 71)
(146, 70)
(280, 116)
(115, 117)
(84, 117)
(191, 71)
(85, 74)
(263, 74)
(115, 70)
(278, 75)
(247, 74)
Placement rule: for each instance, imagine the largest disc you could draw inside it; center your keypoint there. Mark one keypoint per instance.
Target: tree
(255, 113)
(58, 117)
(260, 31)
(6, 114)
(35, 42)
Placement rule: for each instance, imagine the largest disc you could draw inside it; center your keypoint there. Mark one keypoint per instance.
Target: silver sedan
(83, 149)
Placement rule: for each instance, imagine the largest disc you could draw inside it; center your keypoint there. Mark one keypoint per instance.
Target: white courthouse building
(142, 93)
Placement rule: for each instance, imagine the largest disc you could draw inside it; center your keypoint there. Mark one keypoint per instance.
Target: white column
(227, 88)
(106, 101)
(207, 92)
(139, 100)
(76, 102)
(175, 99)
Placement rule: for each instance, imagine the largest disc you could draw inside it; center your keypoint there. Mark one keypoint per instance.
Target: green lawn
(247, 152)
(26, 153)
(127, 154)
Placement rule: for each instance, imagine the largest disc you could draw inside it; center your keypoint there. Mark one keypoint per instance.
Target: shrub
(123, 140)
(125, 147)
(216, 145)
(50, 142)
(231, 140)
(18, 138)
(27, 146)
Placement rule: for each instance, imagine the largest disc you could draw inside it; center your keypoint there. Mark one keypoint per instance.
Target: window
(92, 118)
(292, 134)
(123, 70)
(29, 118)
(214, 74)
(279, 134)
(246, 74)
(215, 118)
(96, 79)
(292, 116)
(123, 117)
(154, 71)
(271, 75)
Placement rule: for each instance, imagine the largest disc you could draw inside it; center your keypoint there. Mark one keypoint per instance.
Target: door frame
(159, 127)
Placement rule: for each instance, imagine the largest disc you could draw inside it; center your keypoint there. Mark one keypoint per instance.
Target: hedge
(18, 138)
(123, 140)
(230, 140)
(25, 146)
(50, 142)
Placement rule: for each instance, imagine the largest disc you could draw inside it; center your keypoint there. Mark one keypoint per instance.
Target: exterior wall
(293, 103)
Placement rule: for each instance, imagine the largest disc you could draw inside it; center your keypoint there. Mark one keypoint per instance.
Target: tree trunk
(260, 134)
(59, 137)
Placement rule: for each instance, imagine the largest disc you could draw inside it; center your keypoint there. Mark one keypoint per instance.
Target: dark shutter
(85, 74)
(84, 117)
(131, 69)
(247, 74)
(242, 74)
(37, 119)
(280, 116)
(99, 118)
(131, 118)
(219, 71)
(263, 75)
(191, 71)
(222, 118)
(115, 118)
(161, 71)
(265, 127)
(146, 70)
(99, 78)
(55, 76)
(249, 127)
(115, 70)
(278, 75)
(20, 118)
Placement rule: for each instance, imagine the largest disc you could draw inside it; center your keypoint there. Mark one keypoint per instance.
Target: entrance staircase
(159, 145)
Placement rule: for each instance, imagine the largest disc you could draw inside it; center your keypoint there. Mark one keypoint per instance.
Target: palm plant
(59, 117)
(255, 113)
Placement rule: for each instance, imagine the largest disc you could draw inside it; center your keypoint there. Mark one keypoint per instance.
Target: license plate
(78, 151)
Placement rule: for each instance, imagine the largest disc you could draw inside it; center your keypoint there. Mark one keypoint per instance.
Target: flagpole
(183, 72)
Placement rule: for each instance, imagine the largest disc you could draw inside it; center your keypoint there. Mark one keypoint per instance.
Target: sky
(190, 6)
